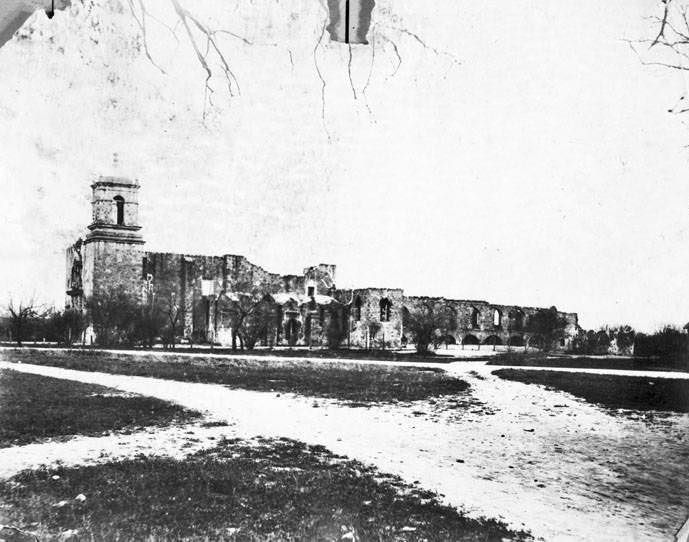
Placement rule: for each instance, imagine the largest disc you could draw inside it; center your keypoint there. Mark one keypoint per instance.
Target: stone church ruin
(301, 310)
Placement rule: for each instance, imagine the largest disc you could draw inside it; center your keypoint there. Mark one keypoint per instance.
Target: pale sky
(524, 156)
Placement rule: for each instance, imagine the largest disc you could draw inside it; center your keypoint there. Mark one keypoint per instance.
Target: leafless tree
(249, 308)
(115, 315)
(668, 43)
(173, 309)
(429, 322)
(20, 316)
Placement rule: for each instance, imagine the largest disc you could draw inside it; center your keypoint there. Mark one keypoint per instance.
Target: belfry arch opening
(119, 210)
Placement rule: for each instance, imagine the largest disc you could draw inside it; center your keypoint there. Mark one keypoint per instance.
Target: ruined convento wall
(366, 327)
(476, 321)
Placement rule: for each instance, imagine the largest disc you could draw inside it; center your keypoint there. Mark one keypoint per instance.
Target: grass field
(240, 490)
(588, 362)
(611, 391)
(350, 382)
(36, 407)
(299, 352)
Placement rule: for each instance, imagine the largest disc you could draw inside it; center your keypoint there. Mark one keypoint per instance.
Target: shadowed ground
(240, 490)
(610, 391)
(350, 382)
(35, 407)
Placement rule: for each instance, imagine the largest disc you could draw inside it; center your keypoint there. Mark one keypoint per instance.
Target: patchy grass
(610, 391)
(587, 362)
(240, 490)
(357, 384)
(280, 351)
(36, 407)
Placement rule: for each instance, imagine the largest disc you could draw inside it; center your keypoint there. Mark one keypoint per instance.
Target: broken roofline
(192, 257)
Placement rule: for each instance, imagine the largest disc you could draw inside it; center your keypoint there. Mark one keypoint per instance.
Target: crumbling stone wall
(179, 278)
(366, 327)
(111, 257)
(321, 277)
(239, 272)
(476, 322)
(182, 276)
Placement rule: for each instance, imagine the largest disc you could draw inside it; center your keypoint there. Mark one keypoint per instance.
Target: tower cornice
(112, 227)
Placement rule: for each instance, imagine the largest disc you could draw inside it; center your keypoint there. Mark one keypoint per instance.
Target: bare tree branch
(663, 23)
(669, 48)
(417, 38)
(320, 76)
(370, 74)
(396, 51)
(141, 22)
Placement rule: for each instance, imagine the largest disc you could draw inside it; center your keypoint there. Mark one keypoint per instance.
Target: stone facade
(306, 309)
(480, 322)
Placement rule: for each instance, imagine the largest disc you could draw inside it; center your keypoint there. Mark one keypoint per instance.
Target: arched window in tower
(385, 309)
(357, 308)
(474, 317)
(497, 316)
(119, 205)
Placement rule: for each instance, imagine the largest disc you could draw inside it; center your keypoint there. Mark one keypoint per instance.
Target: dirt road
(541, 460)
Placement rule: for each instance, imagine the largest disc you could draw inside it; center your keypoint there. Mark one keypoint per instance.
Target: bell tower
(112, 251)
(115, 207)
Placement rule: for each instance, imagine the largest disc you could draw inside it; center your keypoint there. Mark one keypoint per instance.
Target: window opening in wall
(496, 318)
(357, 308)
(278, 323)
(385, 309)
(311, 291)
(474, 317)
(119, 204)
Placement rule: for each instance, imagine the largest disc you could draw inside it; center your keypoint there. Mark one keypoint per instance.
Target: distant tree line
(120, 319)
(669, 343)
(547, 328)
(606, 340)
(117, 318)
(28, 321)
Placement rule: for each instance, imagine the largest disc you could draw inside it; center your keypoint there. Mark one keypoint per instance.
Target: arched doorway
(292, 327)
(493, 340)
(470, 339)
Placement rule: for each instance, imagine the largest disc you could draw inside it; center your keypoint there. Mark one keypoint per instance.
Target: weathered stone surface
(305, 307)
